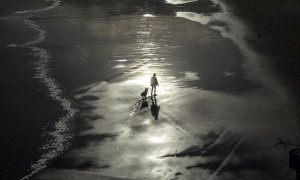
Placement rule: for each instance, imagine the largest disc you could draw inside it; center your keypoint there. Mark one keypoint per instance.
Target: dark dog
(144, 93)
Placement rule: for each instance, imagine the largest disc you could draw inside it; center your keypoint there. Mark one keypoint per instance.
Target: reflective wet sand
(221, 112)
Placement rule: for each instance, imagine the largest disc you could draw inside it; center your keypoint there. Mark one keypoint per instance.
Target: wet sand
(275, 23)
(222, 110)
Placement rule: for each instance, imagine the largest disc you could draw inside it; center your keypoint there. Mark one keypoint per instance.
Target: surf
(57, 140)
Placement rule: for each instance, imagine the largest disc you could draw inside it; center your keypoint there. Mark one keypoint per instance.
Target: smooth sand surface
(276, 23)
(76, 175)
(223, 114)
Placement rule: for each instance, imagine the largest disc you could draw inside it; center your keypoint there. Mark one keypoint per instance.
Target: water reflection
(154, 108)
(144, 104)
(144, 99)
(148, 15)
(180, 1)
(186, 140)
(203, 19)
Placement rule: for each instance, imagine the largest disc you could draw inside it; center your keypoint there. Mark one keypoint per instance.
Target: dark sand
(7, 7)
(276, 23)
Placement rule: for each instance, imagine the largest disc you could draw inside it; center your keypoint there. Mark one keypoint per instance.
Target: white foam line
(59, 139)
(55, 4)
(40, 38)
(236, 32)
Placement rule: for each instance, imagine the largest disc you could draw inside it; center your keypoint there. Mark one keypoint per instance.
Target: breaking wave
(59, 139)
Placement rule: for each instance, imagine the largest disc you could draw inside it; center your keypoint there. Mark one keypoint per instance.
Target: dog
(144, 93)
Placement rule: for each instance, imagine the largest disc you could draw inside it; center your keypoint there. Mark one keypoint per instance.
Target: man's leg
(154, 90)
(151, 90)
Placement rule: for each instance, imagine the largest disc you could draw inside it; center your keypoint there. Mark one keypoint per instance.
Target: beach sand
(276, 23)
(225, 112)
(222, 111)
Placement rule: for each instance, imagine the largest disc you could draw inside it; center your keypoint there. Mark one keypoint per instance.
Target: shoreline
(57, 133)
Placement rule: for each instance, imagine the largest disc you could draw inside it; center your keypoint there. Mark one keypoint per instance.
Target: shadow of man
(154, 108)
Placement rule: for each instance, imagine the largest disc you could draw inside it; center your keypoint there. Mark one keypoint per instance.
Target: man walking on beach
(154, 83)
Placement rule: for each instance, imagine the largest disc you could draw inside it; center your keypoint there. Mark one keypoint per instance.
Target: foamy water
(55, 3)
(59, 139)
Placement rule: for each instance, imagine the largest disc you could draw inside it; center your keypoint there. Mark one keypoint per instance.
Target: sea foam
(58, 140)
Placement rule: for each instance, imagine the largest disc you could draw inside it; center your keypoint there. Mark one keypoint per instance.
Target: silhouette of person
(154, 83)
(154, 108)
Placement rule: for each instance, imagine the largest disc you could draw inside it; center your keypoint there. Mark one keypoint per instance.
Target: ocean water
(35, 111)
